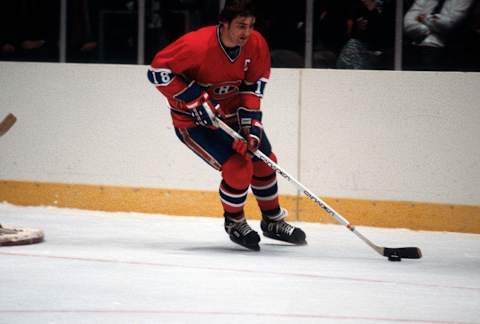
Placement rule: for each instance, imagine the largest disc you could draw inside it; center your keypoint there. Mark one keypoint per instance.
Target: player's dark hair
(237, 8)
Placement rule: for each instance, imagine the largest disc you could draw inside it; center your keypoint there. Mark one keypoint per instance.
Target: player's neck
(226, 42)
(232, 52)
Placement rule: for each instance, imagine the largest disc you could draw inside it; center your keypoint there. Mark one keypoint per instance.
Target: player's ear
(225, 24)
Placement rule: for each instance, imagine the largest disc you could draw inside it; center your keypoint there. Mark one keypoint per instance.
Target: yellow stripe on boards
(398, 214)
(395, 214)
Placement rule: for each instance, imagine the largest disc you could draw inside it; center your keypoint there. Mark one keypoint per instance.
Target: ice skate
(241, 233)
(276, 228)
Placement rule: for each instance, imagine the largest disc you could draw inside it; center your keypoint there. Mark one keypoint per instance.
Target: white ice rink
(97, 267)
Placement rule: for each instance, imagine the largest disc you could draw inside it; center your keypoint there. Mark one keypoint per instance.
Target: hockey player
(221, 72)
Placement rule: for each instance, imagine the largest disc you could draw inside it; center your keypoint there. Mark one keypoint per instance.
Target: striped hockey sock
(233, 200)
(265, 190)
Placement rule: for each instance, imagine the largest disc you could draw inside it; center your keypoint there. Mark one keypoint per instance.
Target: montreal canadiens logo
(225, 90)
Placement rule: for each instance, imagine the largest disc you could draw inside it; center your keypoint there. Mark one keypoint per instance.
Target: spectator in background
(30, 30)
(371, 28)
(429, 26)
(8, 30)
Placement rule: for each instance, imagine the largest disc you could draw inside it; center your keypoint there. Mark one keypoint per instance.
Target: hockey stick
(393, 254)
(7, 123)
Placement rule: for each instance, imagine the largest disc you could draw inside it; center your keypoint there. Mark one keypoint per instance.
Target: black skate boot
(241, 233)
(276, 228)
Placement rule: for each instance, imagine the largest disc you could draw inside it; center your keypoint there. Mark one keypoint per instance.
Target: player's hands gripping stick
(240, 146)
(204, 111)
(251, 127)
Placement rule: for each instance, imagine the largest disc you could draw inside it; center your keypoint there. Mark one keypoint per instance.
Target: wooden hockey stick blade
(404, 253)
(7, 123)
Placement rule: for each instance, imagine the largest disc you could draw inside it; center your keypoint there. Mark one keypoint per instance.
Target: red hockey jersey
(198, 59)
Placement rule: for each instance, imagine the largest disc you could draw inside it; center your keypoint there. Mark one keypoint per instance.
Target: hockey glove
(204, 111)
(251, 127)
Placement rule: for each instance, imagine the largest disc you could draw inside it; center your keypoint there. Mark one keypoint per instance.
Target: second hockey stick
(7, 123)
(393, 254)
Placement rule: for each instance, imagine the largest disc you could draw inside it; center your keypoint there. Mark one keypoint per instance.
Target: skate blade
(278, 238)
(253, 247)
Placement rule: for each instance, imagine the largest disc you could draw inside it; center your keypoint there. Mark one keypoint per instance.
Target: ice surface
(138, 268)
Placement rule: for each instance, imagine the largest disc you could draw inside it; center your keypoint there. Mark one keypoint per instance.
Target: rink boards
(385, 148)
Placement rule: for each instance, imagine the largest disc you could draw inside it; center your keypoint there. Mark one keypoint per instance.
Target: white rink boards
(386, 135)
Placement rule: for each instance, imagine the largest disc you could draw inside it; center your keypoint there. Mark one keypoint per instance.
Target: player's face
(237, 32)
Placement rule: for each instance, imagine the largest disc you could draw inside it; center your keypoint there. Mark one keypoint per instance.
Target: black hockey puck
(394, 258)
